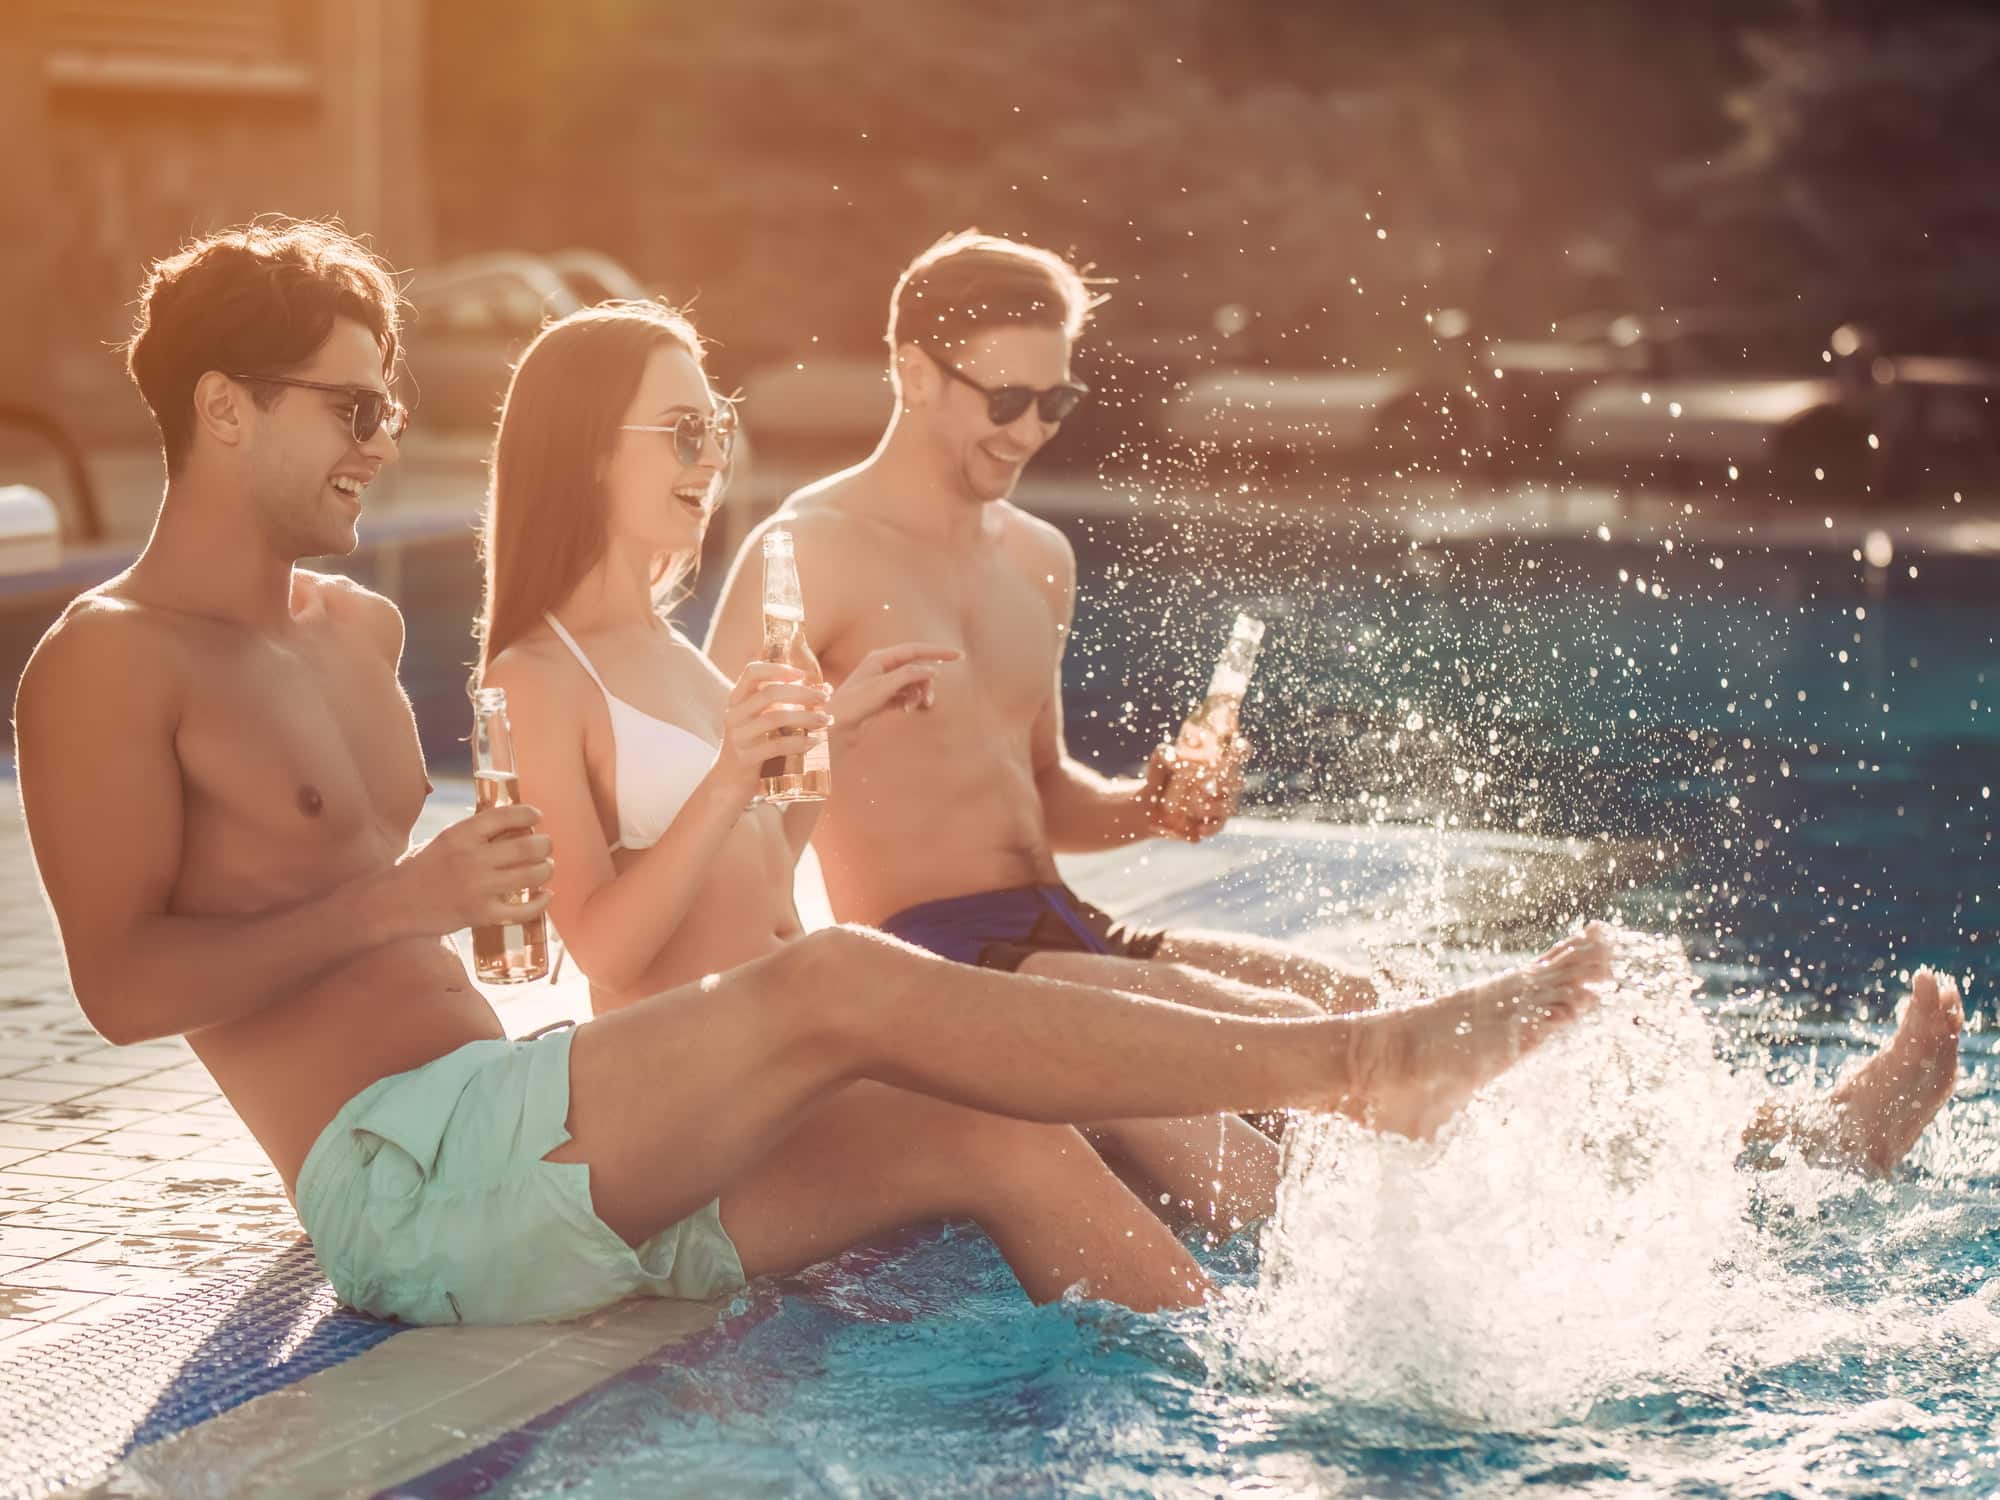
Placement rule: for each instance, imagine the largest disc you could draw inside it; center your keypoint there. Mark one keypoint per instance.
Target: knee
(827, 952)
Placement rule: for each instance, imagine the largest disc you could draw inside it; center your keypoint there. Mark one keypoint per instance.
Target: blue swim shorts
(1000, 929)
(428, 1200)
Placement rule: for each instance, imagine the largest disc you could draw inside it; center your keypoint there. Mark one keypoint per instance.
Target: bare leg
(674, 1098)
(1875, 1115)
(1273, 966)
(1217, 1171)
(1183, 984)
(871, 1158)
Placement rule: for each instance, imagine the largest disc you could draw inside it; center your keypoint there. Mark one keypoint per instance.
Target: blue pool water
(1579, 1290)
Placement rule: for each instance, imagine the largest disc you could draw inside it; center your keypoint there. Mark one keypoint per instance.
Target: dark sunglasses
(369, 411)
(1005, 403)
(691, 432)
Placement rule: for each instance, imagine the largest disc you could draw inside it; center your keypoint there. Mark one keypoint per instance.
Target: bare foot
(1429, 1059)
(1876, 1114)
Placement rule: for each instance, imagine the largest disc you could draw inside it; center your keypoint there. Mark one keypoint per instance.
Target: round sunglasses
(369, 411)
(691, 431)
(1006, 403)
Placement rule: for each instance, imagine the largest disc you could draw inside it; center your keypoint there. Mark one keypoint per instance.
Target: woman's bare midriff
(745, 911)
(289, 1068)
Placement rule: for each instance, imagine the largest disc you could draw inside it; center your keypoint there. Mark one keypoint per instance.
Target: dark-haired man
(946, 823)
(220, 775)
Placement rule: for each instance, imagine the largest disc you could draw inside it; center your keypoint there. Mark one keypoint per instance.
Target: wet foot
(1875, 1115)
(1437, 1055)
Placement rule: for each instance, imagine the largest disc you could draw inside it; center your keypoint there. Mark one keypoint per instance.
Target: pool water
(1783, 760)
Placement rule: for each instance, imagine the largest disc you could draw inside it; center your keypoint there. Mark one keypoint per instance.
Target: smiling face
(985, 460)
(306, 475)
(655, 504)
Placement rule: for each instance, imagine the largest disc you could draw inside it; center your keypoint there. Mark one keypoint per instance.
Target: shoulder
(103, 641)
(350, 606)
(1039, 543)
(538, 671)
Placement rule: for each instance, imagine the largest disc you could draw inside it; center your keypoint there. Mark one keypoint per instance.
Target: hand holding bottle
(1193, 790)
(473, 873)
(775, 710)
(1193, 785)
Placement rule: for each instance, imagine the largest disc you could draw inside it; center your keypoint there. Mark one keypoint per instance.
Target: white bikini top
(657, 765)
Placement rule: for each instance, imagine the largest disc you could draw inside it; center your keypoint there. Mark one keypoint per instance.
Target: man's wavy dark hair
(260, 299)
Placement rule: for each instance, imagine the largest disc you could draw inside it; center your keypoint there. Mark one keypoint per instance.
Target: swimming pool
(1578, 1289)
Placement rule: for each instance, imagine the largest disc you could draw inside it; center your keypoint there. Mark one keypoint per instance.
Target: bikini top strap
(577, 651)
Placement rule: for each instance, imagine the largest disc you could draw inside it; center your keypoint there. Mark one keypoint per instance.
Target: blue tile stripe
(70, 1410)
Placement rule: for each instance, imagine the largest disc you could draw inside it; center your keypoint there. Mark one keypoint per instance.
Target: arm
(101, 787)
(616, 922)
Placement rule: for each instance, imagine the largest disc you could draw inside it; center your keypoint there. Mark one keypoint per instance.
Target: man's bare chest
(297, 755)
(1006, 627)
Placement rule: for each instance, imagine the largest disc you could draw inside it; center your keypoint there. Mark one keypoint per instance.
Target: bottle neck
(492, 742)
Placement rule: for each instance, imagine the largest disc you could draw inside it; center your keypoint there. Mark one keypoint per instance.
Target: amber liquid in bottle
(1199, 745)
(790, 778)
(507, 952)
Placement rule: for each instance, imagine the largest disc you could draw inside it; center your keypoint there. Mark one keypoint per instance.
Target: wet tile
(41, 1243)
(35, 1335)
(74, 1114)
(241, 1258)
(97, 1073)
(91, 1218)
(245, 1153)
(12, 1263)
(40, 1137)
(93, 1276)
(110, 1309)
(98, 1167)
(215, 1176)
(160, 1251)
(209, 1127)
(39, 1090)
(189, 1078)
(137, 1096)
(40, 1304)
(137, 1192)
(141, 1145)
(30, 1188)
(14, 1155)
(10, 1327)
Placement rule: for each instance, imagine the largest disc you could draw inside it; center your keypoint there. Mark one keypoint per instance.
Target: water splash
(1582, 1231)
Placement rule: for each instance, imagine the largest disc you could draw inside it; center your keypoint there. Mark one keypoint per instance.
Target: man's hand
(893, 677)
(1192, 791)
(472, 874)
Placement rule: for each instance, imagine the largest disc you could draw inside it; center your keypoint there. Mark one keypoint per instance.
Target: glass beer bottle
(509, 952)
(790, 778)
(1198, 747)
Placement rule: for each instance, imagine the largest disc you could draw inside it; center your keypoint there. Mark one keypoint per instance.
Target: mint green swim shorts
(428, 1201)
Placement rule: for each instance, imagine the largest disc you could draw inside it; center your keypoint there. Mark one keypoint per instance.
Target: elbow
(108, 1017)
(113, 1005)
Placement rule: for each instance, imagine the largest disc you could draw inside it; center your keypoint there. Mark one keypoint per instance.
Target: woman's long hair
(544, 526)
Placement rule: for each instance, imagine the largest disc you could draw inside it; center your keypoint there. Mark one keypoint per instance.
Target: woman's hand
(894, 677)
(774, 711)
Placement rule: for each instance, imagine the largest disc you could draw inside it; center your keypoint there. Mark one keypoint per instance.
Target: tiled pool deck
(125, 1177)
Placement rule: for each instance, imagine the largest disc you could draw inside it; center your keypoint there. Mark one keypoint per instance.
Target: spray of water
(1582, 1231)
